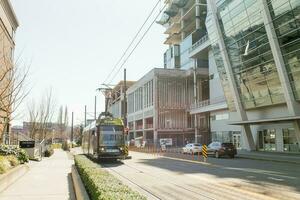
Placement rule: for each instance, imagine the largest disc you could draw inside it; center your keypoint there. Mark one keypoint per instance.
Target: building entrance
(267, 140)
(236, 139)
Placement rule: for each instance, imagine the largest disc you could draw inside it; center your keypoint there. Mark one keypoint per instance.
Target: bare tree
(13, 90)
(40, 116)
(62, 122)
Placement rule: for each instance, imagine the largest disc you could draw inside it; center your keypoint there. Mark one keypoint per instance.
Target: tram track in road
(151, 193)
(107, 167)
(163, 184)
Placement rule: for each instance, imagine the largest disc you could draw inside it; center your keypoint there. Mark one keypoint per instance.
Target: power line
(137, 44)
(132, 41)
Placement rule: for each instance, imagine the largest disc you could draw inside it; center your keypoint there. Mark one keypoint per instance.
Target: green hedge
(101, 185)
(21, 154)
(56, 146)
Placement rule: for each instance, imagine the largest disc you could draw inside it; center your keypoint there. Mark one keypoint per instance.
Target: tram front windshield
(111, 135)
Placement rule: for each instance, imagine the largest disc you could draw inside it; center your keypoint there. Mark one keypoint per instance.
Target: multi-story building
(8, 26)
(116, 100)
(256, 48)
(189, 47)
(250, 49)
(159, 106)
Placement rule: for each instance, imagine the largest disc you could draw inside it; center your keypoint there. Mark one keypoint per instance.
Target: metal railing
(208, 102)
(199, 43)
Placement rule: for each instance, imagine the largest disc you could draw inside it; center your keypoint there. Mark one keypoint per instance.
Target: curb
(267, 159)
(12, 175)
(79, 188)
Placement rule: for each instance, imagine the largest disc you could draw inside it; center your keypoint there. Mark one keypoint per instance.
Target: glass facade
(249, 53)
(286, 19)
(213, 37)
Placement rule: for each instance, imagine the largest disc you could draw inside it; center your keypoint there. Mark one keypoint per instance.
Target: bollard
(204, 152)
(193, 155)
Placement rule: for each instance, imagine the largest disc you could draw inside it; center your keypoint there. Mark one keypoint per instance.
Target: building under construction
(159, 106)
(116, 103)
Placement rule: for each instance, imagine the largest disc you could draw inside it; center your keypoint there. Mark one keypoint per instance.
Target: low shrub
(101, 185)
(4, 164)
(56, 146)
(49, 152)
(21, 154)
(13, 160)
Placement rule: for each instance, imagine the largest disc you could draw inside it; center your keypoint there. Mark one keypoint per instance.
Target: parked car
(192, 148)
(219, 149)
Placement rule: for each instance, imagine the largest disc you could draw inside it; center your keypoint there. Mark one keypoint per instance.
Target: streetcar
(105, 138)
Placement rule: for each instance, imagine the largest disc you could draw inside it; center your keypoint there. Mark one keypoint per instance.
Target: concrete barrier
(12, 175)
(79, 188)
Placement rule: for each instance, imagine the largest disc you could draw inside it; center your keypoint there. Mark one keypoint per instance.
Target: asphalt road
(160, 177)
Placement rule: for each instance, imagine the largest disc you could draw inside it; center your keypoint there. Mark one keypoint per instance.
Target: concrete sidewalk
(271, 156)
(48, 179)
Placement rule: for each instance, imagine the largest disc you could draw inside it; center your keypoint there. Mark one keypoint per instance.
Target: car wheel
(217, 154)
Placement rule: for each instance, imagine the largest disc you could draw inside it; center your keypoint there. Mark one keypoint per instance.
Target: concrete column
(144, 127)
(182, 24)
(195, 99)
(155, 109)
(279, 139)
(197, 14)
(296, 125)
(233, 87)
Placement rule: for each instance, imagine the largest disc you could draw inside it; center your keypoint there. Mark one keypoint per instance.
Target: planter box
(79, 188)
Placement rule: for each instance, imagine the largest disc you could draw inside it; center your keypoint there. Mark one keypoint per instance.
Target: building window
(290, 141)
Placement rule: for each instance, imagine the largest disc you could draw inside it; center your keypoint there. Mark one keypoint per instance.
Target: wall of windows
(138, 99)
(286, 19)
(213, 37)
(250, 53)
(141, 98)
(148, 94)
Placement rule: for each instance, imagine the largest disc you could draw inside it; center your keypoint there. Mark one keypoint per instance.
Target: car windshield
(227, 145)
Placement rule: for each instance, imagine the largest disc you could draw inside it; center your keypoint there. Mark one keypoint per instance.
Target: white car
(192, 148)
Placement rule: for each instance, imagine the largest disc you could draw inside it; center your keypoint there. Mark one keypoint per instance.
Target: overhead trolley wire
(137, 44)
(132, 41)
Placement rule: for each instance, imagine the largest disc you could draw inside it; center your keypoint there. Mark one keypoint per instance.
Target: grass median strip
(101, 185)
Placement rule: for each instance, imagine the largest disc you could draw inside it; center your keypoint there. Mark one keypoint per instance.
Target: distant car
(219, 149)
(192, 148)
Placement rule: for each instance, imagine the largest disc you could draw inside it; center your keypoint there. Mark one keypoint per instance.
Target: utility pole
(95, 117)
(84, 116)
(125, 99)
(195, 101)
(72, 130)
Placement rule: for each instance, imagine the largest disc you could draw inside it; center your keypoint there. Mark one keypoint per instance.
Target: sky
(71, 47)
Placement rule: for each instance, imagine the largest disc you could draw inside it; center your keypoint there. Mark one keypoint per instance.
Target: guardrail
(208, 102)
(198, 43)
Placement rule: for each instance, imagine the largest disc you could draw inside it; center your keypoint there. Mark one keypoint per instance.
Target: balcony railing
(208, 102)
(198, 43)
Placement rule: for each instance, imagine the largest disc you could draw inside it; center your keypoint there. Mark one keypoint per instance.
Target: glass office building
(256, 46)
